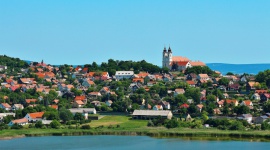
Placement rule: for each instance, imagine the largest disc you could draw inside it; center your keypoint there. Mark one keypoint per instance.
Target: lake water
(105, 142)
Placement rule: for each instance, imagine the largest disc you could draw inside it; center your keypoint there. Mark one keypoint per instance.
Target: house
(184, 106)
(151, 114)
(233, 87)
(34, 117)
(191, 77)
(30, 101)
(5, 106)
(158, 107)
(179, 91)
(261, 91)
(134, 86)
(105, 91)
(108, 103)
(251, 86)
(261, 119)
(256, 96)
(181, 65)
(247, 103)
(217, 111)
(81, 98)
(54, 106)
(220, 103)
(88, 83)
(94, 94)
(2, 115)
(199, 107)
(123, 75)
(2, 68)
(265, 97)
(165, 104)
(78, 104)
(202, 77)
(17, 107)
(96, 103)
(247, 117)
(232, 102)
(22, 122)
(226, 95)
(166, 78)
(191, 83)
(83, 111)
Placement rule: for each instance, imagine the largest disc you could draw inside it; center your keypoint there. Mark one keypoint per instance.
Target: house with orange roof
(40, 75)
(158, 107)
(5, 106)
(232, 102)
(142, 74)
(185, 105)
(54, 106)
(78, 104)
(34, 117)
(87, 83)
(180, 65)
(49, 75)
(26, 80)
(105, 90)
(141, 80)
(22, 122)
(197, 63)
(81, 98)
(191, 83)
(30, 101)
(199, 107)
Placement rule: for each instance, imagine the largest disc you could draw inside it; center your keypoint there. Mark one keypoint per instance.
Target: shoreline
(209, 136)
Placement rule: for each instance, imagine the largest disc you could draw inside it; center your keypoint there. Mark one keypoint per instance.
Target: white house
(123, 74)
(17, 107)
(203, 77)
(22, 122)
(247, 117)
(179, 91)
(256, 96)
(3, 68)
(34, 117)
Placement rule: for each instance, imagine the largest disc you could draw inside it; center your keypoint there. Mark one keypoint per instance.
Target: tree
(65, 114)
(39, 124)
(78, 117)
(173, 123)
(223, 81)
(55, 124)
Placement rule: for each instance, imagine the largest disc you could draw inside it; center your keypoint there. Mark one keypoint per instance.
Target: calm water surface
(105, 142)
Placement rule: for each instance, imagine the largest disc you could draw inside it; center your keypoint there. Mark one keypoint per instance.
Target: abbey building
(177, 63)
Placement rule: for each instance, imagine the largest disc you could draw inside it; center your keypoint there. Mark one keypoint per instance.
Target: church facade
(177, 63)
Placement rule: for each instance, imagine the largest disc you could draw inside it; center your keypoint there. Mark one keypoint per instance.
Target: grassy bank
(121, 125)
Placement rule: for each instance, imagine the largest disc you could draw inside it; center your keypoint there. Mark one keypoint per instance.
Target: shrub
(55, 124)
(86, 127)
(16, 126)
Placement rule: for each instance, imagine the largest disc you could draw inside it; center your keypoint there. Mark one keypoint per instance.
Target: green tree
(65, 114)
(55, 124)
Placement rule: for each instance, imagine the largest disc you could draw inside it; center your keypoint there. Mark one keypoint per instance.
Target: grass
(127, 126)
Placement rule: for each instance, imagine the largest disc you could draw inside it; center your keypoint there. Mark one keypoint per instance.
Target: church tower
(166, 57)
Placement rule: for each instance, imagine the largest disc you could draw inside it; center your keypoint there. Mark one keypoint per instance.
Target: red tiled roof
(184, 105)
(36, 115)
(23, 120)
(179, 58)
(28, 101)
(79, 98)
(6, 105)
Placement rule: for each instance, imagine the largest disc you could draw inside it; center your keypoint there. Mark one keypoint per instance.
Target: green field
(123, 125)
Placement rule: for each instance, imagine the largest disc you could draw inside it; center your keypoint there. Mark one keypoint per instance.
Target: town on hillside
(181, 93)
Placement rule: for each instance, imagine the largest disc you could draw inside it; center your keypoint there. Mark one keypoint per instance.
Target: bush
(110, 127)
(118, 126)
(16, 126)
(172, 124)
(55, 124)
(86, 127)
(150, 123)
(39, 124)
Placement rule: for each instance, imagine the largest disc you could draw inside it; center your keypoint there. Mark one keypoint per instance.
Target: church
(177, 63)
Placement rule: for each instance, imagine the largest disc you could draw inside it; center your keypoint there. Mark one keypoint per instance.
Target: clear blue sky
(83, 31)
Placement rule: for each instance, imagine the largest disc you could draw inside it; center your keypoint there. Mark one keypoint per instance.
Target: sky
(82, 31)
